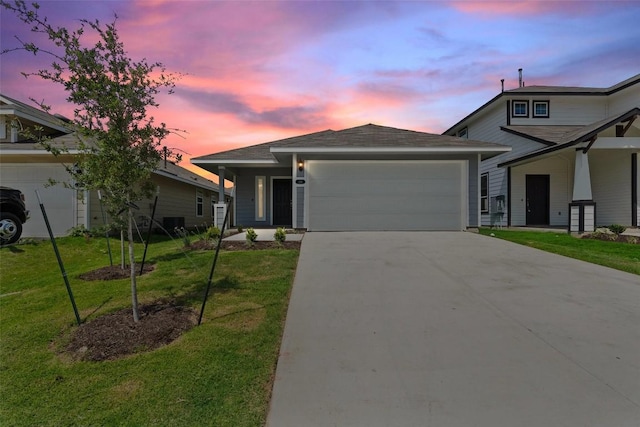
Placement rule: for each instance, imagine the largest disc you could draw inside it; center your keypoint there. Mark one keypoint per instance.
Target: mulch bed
(114, 272)
(242, 246)
(609, 237)
(116, 335)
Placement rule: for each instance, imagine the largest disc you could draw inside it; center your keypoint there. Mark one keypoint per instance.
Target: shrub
(240, 229)
(82, 231)
(184, 235)
(251, 236)
(212, 233)
(617, 229)
(280, 235)
(79, 231)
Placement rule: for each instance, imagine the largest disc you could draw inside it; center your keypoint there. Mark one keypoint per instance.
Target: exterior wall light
(300, 165)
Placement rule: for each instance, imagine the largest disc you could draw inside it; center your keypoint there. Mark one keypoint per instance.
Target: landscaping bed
(611, 237)
(162, 370)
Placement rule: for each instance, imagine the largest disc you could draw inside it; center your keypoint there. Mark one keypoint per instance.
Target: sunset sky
(257, 71)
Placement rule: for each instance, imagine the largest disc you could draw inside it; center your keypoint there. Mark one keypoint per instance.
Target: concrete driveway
(455, 329)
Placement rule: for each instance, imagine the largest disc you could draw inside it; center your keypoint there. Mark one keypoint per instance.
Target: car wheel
(10, 228)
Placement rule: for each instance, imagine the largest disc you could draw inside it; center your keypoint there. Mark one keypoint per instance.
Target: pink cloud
(523, 7)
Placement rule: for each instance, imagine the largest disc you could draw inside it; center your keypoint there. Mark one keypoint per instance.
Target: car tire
(10, 228)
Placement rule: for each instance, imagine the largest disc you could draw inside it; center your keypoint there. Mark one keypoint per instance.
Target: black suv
(13, 214)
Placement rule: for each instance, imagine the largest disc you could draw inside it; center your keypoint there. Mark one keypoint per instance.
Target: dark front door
(537, 203)
(282, 199)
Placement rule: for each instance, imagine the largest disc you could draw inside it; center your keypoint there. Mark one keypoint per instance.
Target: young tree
(119, 145)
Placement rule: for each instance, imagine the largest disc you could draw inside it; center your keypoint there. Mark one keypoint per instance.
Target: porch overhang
(586, 140)
(485, 152)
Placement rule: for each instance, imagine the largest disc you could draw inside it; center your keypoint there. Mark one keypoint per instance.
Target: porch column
(582, 209)
(582, 177)
(221, 206)
(221, 170)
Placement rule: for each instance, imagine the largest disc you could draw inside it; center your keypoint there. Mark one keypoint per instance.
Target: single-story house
(185, 198)
(574, 161)
(364, 178)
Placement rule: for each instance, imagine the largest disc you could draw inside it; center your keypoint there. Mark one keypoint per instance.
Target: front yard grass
(216, 374)
(621, 256)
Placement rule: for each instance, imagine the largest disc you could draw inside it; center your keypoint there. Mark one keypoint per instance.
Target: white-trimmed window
(463, 133)
(484, 193)
(261, 196)
(520, 109)
(541, 109)
(199, 203)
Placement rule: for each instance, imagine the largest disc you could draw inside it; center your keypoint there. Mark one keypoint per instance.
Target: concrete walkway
(455, 329)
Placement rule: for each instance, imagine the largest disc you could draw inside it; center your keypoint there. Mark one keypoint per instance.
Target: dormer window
(520, 109)
(541, 109)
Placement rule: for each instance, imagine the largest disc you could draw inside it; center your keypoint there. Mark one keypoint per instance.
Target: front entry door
(537, 203)
(282, 199)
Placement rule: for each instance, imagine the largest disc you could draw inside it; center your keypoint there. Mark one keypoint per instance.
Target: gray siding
(245, 195)
(560, 171)
(611, 186)
(498, 176)
(624, 101)
(176, 200)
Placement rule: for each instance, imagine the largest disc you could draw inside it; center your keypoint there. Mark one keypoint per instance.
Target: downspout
(509, 196)
(634, 189)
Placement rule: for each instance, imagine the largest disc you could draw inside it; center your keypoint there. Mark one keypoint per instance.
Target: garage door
(387, 195)
(59, 202)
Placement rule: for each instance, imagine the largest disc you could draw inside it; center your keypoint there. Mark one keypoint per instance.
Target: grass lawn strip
(621, 256)
(217, 374)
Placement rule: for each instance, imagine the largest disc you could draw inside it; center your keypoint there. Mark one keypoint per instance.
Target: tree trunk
(122, 257)
(132, 263)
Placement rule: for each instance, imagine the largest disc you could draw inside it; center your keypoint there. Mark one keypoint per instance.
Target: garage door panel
(448, 204)
(58, 201)
(386, 195)
(405, 187)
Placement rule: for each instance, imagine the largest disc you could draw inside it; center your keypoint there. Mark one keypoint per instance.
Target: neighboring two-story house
(185, 198)
(574, 159)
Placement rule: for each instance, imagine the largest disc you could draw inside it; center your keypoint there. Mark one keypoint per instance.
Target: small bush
(79, 231)
(280, 235)
(240, 229)
(212, 233)
(251, 236)
(617, 229)
(184, 235)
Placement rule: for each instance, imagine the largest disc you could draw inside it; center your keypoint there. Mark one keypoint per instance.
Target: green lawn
(621, 256)
(217, 374)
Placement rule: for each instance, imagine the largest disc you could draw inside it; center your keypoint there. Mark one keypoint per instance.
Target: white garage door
(387, 195)
(59, 202)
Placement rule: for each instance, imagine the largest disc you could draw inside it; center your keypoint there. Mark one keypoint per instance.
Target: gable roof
(32, 115)
(567, 139)
(70, 143)
(549, 90)
(367, 138)
(178, 173)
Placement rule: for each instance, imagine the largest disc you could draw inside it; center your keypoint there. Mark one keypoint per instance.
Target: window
(463, 133)
(484, 193)
(199, 203)
(520, 109)
(541, 109)
(261, 195)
